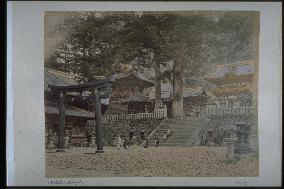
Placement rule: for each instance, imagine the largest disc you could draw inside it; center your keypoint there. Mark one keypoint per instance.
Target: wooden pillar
(61, 123)
(99, 129)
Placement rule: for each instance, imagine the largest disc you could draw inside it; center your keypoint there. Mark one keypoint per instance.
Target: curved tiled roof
(69, 111)
(58, 78)
(131, 79)
(135, 98)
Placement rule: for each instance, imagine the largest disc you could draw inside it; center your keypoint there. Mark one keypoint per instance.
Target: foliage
(99, 43)
(232, 37)
(104, 43)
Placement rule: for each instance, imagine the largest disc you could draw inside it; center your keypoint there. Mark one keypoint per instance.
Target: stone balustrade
(157, 114)
(216, 111)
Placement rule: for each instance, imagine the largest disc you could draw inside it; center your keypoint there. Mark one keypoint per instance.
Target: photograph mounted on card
(144, 94)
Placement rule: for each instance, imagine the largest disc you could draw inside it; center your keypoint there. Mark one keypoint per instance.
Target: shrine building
(233, 84)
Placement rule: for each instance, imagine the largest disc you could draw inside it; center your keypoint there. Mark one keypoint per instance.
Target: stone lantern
(50, 142)
(210, 137)
(243, 132)
(66, 139)
(93, 140)
(230, 140)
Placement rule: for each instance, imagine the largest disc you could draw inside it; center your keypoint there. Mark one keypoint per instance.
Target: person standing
(165, 136)
(125, 143)
(146, 144)
(118, 142)
(157, 141)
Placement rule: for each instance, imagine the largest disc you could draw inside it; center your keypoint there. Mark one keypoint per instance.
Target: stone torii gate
(98, 86)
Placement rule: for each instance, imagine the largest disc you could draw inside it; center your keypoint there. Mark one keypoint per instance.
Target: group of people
(146, 142)
(121, 142)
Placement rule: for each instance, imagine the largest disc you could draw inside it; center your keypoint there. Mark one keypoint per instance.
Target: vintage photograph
(151, 93)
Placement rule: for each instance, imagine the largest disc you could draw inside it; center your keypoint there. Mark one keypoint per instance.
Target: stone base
(99, 151)
(211, 144)
(239, 156)
(50, 147)
(242, 150)
(230, 155)
(60, 150)
(251, 150)
(89, 153)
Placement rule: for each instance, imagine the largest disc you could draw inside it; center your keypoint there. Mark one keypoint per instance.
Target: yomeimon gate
(100, 89)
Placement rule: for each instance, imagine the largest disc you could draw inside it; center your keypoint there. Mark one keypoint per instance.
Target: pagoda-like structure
(128, 94)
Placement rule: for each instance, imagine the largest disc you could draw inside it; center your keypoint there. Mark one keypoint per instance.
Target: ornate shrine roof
(132, 79)
(231, 78)
(232, 73)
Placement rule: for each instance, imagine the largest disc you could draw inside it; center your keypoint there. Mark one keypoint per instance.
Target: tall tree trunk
(157, 68)
(177, 105)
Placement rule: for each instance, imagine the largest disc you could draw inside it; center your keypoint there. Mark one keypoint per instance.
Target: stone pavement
(152, 161)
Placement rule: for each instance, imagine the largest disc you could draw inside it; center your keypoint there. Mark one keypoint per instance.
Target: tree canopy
(104, 43)
(98, 41)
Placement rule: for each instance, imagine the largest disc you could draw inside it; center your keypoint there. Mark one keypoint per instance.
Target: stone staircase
(183, 130)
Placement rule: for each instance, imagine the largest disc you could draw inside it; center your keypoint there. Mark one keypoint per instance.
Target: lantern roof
(240, 122)
(230, 128)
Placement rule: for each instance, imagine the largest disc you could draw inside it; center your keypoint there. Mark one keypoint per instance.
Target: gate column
(99, 129)
(61, 123)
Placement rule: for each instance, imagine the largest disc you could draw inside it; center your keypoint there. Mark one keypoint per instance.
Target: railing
(215, 111)
(205, 115)
(158, 113)
(154, 131)
(196, 137)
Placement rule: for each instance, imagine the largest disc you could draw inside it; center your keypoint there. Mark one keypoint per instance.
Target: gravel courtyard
(157, 162)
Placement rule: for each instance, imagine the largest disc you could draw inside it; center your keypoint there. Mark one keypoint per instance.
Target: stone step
(182, 132)
(178, 139)
(172, 144)
(179, 136)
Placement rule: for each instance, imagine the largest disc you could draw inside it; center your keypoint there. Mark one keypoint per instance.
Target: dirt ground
(147, 162)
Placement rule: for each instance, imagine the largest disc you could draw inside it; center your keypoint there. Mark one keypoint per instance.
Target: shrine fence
(156, 114)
